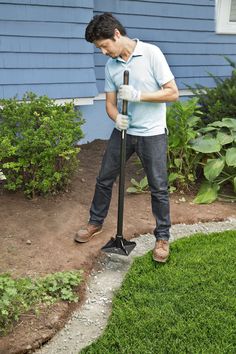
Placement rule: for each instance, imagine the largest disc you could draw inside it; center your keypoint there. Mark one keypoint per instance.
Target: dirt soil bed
(37, 237)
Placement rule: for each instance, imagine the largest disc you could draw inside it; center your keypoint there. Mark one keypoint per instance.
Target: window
(226, 16)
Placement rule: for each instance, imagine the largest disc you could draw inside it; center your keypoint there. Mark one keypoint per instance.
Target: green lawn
(187, 305)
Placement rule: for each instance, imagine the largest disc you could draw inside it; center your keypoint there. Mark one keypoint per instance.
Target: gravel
(88, 323)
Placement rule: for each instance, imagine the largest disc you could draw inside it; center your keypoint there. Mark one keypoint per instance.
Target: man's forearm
(112, 111)
(163, 95)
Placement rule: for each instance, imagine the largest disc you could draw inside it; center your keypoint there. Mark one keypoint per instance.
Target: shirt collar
(138, 50)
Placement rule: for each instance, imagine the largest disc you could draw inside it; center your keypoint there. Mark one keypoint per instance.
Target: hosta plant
(217, 142)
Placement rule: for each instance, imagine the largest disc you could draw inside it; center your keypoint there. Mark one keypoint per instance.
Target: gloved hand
(129, 93)
(122, 122)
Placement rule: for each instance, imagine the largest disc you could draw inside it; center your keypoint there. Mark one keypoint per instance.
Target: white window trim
(223, 25)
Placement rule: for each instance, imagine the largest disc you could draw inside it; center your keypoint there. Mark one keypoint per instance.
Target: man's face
(109, 47)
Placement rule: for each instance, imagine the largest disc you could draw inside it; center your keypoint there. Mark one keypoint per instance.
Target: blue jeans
(152, 152)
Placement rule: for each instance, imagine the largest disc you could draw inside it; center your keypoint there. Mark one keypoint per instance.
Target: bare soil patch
(37, 237)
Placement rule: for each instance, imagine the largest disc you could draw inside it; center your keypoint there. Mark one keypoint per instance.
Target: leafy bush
(220, 101)
(37, 143)
(218, 143)
(182, 122)
(21, 295)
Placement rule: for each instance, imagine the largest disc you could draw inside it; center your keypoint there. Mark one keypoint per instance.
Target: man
(151, 84)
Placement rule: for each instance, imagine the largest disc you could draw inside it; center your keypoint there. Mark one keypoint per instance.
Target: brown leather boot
(84, 235)
(161, 251)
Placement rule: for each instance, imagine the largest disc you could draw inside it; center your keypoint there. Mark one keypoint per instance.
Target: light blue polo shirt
(148, 72)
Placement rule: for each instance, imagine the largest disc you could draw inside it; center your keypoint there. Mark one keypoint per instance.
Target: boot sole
(160, 260)
(76, 239)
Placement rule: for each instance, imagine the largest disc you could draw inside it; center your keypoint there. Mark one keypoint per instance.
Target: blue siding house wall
(183, 29)
(42, 48)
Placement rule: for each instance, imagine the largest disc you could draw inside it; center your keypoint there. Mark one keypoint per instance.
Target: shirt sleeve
(161, 68)
(109, 84)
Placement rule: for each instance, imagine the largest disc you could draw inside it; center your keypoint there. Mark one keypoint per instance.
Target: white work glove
(122, 122)
(129, 93)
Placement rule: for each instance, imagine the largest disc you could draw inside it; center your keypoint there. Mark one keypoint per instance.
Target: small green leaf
(177, 162)
(143, 183)
(172, 177)
(229, 122)
(207, 193)
(207, 129)
(213, 168)
(231, 157)
(226, 122)
(193, 121)
(206, 145)
(134, 182)
(224, 138)
(132, 190)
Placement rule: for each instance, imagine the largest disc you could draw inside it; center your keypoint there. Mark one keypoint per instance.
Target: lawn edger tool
(119, 244)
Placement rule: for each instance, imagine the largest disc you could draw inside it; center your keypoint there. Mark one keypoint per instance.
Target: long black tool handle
(122, 165)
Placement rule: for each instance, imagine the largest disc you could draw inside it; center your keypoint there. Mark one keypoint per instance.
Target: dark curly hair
(103, 27)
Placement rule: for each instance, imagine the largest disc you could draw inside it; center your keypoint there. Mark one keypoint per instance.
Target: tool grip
(125, 82)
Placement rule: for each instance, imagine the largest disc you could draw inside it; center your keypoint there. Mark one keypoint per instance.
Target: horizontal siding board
(181, 59)
(197, 48)
(186, 2)
(44, 45)
(163, 23)
(39, 29)
(189, 37)
(74, 90)
(42, 60)
(43, 76)
(63, 3)
(205, 81)
(201, 71)
(182, 83)
(157, 8)
(186, 72)
(44, 13)
(198, 60)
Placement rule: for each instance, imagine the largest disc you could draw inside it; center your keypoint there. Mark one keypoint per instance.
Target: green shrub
(220, 101)
(218, 144)
(182, 122)
(18, 296)
(38, 139)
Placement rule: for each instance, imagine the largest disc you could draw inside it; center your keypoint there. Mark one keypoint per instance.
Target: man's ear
(116, 33)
